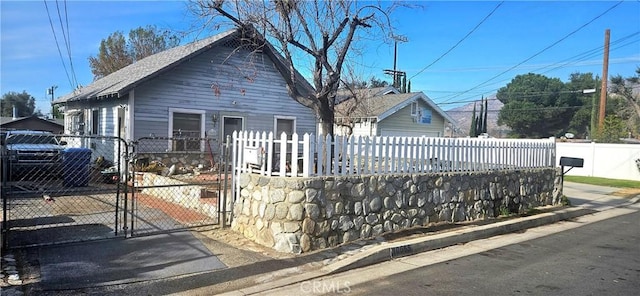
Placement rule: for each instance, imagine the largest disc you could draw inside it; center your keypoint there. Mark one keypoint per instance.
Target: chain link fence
(178, 183)
(61, 188)
(66, 188)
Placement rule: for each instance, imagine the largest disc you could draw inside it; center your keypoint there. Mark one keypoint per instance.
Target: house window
(414, 108)
(287, 125)
(231, 124)
(77, 124)
(424, 116)
(186, 129)
(95, 121)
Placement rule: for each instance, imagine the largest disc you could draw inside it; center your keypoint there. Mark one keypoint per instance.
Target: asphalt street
(596, 254)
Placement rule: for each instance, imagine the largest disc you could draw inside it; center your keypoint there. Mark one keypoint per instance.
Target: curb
(388, 251)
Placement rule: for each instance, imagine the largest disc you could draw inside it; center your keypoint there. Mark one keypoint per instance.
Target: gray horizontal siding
(250, 88)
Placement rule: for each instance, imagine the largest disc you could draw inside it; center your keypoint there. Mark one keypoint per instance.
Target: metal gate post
(3, 194)
(225, 156)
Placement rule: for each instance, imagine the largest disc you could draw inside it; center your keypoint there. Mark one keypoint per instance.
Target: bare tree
(314, 34)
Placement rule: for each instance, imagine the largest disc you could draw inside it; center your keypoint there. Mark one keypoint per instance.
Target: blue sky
(550, 38)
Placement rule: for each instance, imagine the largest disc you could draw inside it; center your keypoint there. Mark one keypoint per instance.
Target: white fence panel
(323, 155)
(614, 161)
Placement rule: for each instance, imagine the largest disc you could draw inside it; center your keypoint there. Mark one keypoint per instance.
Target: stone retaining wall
(303, 214)
(183, 194)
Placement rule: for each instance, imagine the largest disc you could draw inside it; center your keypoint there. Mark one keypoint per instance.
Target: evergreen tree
(472, 129)
(480, 119)
(484, 122)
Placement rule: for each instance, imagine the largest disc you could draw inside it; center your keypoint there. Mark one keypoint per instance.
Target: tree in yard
(25, 104)
(319, 35)
(537, 106)
(117, 52)
(355, 83)
(485, 116)
(624, 88)
(474, 123)
(353, 104)
(580, 124)
(375, 82)
(479, 123)
(612, 130)
(480, 119)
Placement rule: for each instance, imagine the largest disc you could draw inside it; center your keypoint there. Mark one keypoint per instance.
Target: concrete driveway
(117, 261)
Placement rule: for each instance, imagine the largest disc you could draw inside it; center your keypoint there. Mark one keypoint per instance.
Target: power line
(588, 54)
(67, 39)
(526, 109)
(539, 52)
(57, 45)
(458, 43)
(520, 95)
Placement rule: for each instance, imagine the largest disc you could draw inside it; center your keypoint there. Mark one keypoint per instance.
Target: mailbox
(571, 161)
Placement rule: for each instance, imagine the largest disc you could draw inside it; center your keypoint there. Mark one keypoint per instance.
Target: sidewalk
(247, 268)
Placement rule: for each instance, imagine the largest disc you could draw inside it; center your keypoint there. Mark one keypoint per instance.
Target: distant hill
(463, 115)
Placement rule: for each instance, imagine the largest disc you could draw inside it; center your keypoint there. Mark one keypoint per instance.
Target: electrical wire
(526, 109)
(539, 52)
(58, 45)
(569, 61)
(67, 39)
(460, 41)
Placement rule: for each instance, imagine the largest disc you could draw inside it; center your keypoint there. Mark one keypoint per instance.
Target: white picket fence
(261, 153)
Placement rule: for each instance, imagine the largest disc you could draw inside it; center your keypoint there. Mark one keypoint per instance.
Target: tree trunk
(326, 120)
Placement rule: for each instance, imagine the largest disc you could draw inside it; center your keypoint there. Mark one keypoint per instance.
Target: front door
(231, 124)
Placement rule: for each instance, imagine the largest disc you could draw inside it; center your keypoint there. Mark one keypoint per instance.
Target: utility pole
(398, 76)
(594, 113)
(605, 77)
(50, 91)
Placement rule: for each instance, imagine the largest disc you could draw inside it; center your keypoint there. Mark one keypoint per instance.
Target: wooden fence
(290, 155)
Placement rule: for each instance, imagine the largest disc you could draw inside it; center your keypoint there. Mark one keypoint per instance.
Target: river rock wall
(303, 214)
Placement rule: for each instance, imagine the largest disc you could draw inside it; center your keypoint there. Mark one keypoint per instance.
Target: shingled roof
(382, 106)
(122, 81)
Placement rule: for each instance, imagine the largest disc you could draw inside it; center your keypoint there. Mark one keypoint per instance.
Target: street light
(592, 125)
(593, 107)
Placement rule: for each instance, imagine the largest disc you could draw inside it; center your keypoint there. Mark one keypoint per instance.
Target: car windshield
(31, 139)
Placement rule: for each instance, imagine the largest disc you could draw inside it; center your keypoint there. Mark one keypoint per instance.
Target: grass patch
(603, 181)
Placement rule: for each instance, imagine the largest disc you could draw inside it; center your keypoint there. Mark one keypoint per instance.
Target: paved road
(595, 255)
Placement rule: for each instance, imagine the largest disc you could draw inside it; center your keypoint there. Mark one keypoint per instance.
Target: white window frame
(414, 108)
(187, 111)
(95, 122)
(275, 124)
(223, 137)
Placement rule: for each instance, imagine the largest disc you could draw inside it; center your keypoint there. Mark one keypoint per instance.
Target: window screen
(186, 131)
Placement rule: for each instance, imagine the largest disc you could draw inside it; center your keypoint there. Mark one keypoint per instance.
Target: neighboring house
(205, 89)
(387, 112)
(32, 123)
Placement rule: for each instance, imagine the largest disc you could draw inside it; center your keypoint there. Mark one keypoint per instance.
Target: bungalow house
(205, 89)
(387, 112)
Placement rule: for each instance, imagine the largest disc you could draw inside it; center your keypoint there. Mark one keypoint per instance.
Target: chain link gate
(62, 188)
(177, 184)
